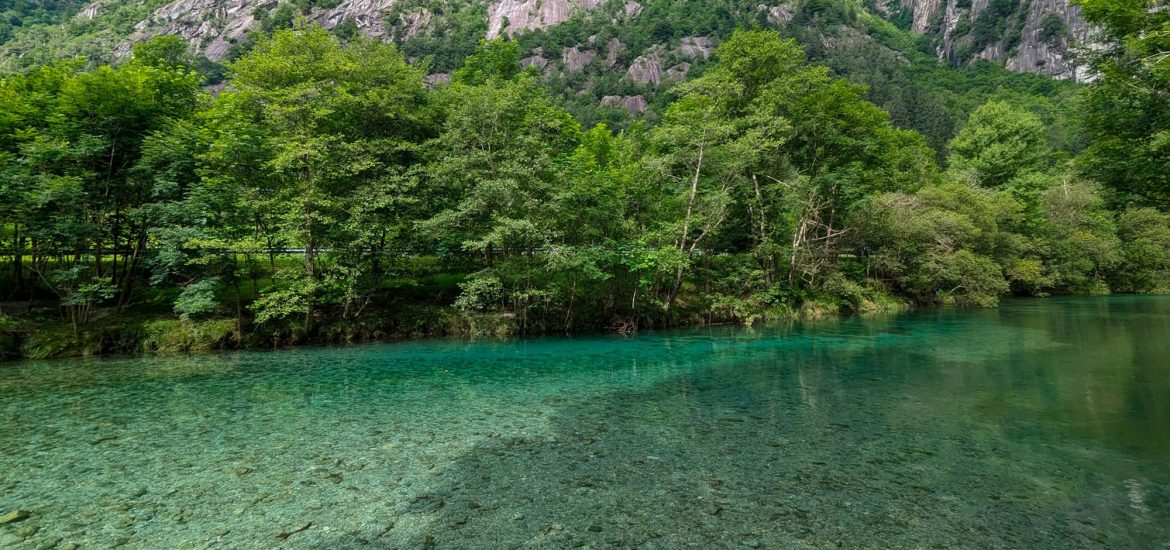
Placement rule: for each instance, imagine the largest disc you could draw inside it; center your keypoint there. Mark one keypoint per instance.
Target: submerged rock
(14, 516)
(49, 544)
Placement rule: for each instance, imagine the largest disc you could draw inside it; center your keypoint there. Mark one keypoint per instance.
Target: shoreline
(144, 335)
(140, 335)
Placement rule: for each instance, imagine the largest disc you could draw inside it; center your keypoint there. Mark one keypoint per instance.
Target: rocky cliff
(509, 17)
(212, 27)
(1036, 36)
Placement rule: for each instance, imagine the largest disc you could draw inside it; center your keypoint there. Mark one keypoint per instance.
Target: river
(1041, 424)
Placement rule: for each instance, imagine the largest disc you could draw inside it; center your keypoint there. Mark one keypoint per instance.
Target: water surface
(1044, 423)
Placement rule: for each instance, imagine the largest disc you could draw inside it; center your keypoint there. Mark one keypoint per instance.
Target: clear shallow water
(1045, 423)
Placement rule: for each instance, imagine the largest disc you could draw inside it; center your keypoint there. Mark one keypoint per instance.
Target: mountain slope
(616, 60)
(1029, 35)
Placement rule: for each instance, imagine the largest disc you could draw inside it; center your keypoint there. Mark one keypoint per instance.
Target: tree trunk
(129, 270)
(310, 267)
(18, 261)
(239, 309)
(682, 241)
(769, 263)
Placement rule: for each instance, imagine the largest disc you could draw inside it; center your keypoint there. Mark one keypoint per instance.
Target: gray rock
(697, 47)
(613, 49)
(575, 59)
(634, 103)
(437, 79)
(534, 61)
(646, 69)
(524, 15)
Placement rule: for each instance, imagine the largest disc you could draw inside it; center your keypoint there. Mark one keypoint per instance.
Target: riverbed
(1039, 424)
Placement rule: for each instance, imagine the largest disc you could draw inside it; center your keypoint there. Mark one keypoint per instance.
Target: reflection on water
(1045, 423)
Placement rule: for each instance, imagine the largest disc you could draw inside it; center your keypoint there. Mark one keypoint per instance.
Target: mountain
(1034, 36)
(928, 62)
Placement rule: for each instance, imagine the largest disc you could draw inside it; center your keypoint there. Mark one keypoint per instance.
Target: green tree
(998, 143)
(493, 169)
(1080, 243)
(332, 129)
(1124, 111)
(497, 59)
(79, 141)
(167, 50)
(1145, 251)
(938, 245)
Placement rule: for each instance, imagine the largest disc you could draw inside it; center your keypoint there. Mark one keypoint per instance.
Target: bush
(1052, 30)
(172, 336)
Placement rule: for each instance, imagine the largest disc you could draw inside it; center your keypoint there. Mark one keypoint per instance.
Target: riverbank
(42, 336)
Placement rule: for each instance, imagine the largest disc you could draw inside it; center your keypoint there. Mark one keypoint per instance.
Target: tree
(839, 149)
(1080, 243)
(694, 146)
(331, 129)
(1135, 40)
(496, 59)
(492, 171)
(937, 245)
(167, 51)
(998, 143)
(1126, 112)
(1145, 250)
(80, 138)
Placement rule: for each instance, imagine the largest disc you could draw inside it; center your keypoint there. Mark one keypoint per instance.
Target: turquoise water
(1045, 423)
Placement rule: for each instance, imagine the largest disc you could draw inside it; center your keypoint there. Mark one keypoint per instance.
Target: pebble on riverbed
(14, 516)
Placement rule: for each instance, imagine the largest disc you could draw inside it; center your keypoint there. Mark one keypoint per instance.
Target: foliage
(938, 244)
(328, 194)
(1126, 115)
(999, 143)
(327, 132)
(1145, 250)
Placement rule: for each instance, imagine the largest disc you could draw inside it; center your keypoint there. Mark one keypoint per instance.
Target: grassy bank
(147, 331)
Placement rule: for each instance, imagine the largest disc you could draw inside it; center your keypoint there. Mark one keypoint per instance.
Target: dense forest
(329, 194)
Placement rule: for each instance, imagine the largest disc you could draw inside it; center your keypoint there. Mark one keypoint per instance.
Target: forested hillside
(334, 190)
(615, 61)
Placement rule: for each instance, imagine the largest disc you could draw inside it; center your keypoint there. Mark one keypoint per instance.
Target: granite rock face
(633, 103)
(576, 59)
(1037, 36)
(646, 69)
(212, 27)
(508, 17)
(1051, 55)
